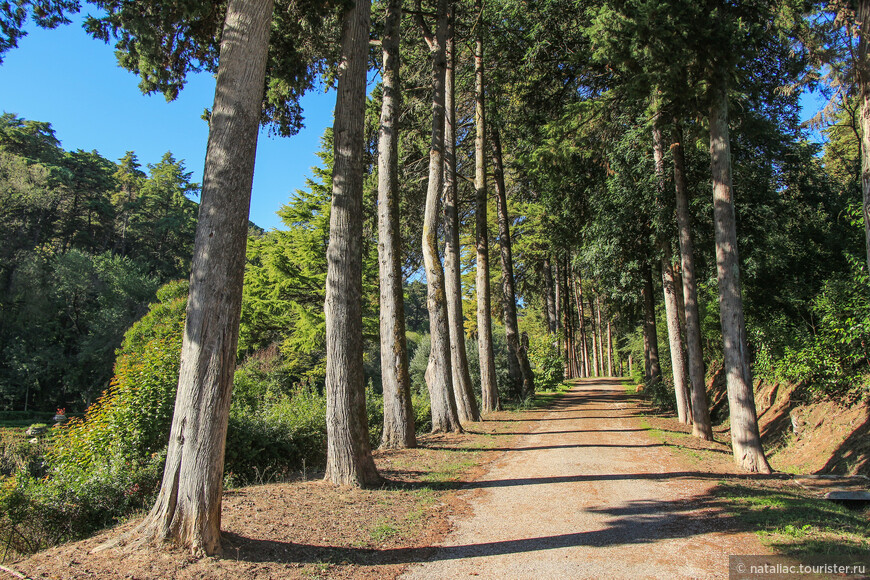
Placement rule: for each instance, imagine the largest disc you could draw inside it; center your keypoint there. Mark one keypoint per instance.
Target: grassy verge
(787, 518)
(794, 523)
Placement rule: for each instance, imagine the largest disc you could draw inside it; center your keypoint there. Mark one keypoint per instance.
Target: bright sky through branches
(72, 81)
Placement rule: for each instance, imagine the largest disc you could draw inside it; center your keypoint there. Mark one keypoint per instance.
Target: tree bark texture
(399, 430)
(439, 371)
(609, 350)
(678, 355)
(584, 350)
(188, 507)
(549, 296)
(486, 354)
(348, 451)
(675, 342)
(745, 437)
(600, 330)
(701, 425)
(466, 403)
(650, 336)
(518, 361)
(557, 289)
(863, 21)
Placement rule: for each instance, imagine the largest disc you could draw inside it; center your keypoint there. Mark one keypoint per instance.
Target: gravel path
(589, 494)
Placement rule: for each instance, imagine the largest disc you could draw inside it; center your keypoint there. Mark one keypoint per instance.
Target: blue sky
(72, 81)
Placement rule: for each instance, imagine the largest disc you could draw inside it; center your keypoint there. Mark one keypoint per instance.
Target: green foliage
(546, 361)
(45, 14)
(74, 503)
(67, 314)
(131, 419)
(832, 361)
(285, 281)
(87, 244)
(285, 432)
(163, 41)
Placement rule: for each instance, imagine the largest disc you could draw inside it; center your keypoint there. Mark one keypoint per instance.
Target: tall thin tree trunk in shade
(518, 361)
(570, 343)
(600, 330)
(650, 335)
(596, 362)
(466, 403)
(187, 510)
(678, 366)
(399, 428)
(745, 437)
(863, 69)
(577, 282)
(557, 288)
(609, 350)
(549, 297)
(348, 452)
(439, 371)
(701, 425)
(559, 310)
(572, 327)
(488, 386)
(678, 355)
(560, 305)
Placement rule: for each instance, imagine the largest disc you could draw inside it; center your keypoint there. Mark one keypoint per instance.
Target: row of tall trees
(596, 124)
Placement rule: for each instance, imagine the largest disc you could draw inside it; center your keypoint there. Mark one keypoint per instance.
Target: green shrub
(132, 417)
(546, 361)
(19, 455)
(286, 432)
(74, 503)
(832, 360)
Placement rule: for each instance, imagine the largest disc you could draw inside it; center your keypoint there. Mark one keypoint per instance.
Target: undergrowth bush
(36, 513)
(832, 358)
(97, 470)
(546, 361)
(131, 419)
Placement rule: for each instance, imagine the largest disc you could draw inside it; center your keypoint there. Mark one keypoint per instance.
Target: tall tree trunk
(486, 354)
(745, 437)
(348, 451)
(609, 350)
(399, 428)
(466, 403)
(578, 295)
(549, 297)
(558, 294)
(596, 363)
(568, 327)
(439, 372)
(863, 21)
(561, 293)
(569, 323)
(701, 426)
(188, 508)
(678, 366)
(518, 361)
(600, 329)
(650, 335)
(678, 355)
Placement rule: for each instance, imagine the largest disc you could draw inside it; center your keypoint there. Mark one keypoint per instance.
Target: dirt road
(588, 493)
